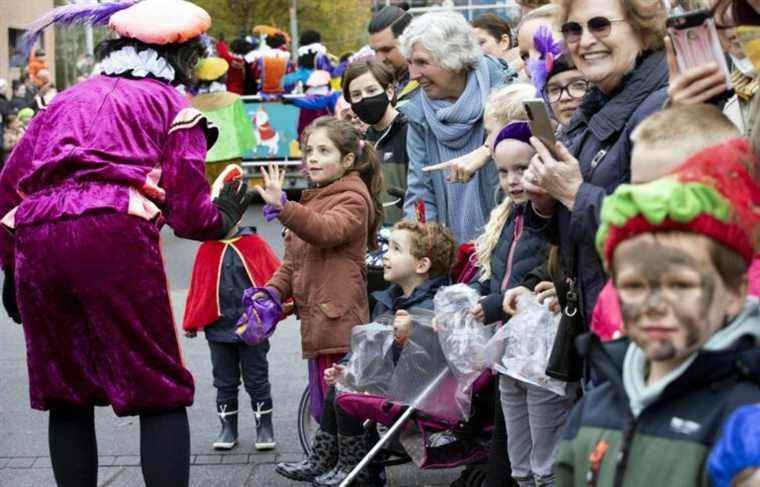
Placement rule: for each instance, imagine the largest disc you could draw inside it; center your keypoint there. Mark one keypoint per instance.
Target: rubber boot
(324, 456)
(351, 450)
(228, 415)
(262, 413)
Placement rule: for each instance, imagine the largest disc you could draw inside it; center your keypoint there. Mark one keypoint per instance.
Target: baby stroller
(419, 409)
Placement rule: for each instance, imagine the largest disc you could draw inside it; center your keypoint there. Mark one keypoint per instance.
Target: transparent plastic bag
(463, 339)
(422, 377)
(370, 366)
(521, 348)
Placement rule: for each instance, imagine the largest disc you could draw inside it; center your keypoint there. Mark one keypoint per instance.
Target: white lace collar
(141, 64)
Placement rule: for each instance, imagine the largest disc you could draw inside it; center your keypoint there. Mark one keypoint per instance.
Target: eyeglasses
(599, 27)
(576, 89)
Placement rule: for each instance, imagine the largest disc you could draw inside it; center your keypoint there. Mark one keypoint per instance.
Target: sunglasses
(599, 27)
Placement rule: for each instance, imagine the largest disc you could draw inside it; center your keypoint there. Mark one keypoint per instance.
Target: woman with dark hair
(84, 196)
(368, 85)
(494, 35)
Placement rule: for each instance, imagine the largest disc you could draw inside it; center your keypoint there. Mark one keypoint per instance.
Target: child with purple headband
(507, 250)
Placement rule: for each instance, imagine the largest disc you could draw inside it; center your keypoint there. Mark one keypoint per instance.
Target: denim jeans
(231, 360)
(535, 418)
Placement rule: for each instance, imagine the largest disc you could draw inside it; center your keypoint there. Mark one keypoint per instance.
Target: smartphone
(696, 43)
(540, 123)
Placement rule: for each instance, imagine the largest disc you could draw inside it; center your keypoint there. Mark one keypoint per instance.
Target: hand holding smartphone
(540, 123)
(696, 42)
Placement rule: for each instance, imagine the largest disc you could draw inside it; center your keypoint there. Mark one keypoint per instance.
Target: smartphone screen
(696, 43)
(540, 123)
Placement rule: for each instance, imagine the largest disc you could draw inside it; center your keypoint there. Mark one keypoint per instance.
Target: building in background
(15, 16)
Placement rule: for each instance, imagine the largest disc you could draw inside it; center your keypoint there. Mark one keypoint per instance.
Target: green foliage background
(342, 23)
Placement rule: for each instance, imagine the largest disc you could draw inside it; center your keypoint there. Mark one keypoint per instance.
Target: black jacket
(391, 149)
(520, 249)
(599, 136)
(669, 442)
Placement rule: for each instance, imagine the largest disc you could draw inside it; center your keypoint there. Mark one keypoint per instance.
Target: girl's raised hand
(271, 193)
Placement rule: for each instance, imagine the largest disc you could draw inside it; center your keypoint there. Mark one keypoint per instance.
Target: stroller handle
(397, 193)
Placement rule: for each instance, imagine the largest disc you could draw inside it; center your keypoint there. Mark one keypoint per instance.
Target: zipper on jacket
(510, 257)
(625, 452)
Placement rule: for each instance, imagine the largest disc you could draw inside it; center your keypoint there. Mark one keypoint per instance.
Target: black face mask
(371, 110)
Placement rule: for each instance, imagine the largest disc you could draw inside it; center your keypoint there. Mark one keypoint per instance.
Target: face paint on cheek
(694, 319)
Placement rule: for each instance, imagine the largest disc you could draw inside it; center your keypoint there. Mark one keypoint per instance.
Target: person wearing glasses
(557, 80)
(618, 46)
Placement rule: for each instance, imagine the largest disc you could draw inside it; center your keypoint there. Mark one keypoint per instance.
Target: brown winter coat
(323, 269)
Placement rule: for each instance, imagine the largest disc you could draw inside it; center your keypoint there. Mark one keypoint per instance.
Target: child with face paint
(328, 233)
(661, 142)
(368, 85)
(678, 249)
(506, 252)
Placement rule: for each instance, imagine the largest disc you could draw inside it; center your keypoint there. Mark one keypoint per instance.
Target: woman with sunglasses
(617, 45)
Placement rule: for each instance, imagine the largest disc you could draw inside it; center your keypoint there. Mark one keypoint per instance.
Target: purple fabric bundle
(261, 315)
(270, 212)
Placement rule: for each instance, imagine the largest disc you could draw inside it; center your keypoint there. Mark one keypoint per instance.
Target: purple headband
(514, 130)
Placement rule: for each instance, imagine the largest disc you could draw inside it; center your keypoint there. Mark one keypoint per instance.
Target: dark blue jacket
(233, 281)
(599, 136)
(391, 299)
(669, 442)
(530, 250)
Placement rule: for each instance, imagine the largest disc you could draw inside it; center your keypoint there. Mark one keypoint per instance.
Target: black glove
(9, 296)
(232, 202)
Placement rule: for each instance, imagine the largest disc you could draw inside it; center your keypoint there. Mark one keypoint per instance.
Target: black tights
(164, 447)
(336, 421)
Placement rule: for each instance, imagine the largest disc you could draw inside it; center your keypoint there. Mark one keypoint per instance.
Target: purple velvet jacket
(109, 143)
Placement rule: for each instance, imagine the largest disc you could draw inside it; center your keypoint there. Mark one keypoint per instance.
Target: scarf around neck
(452, 123)
(641, 395)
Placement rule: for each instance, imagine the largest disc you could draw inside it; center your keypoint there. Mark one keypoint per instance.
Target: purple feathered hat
(549, 51)
(69, 15)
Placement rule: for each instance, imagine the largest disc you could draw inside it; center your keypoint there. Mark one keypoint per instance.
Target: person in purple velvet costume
(84, 196)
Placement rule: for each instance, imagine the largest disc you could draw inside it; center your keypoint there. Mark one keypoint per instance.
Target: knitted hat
(211, 68)
(713, 193)
(739, 448)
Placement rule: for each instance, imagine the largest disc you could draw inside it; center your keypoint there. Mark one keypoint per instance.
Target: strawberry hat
(713, 193)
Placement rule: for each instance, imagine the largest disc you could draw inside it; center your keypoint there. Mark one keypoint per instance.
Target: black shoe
(351, 450)
(228, 415)
(262, 412)
(324, 456)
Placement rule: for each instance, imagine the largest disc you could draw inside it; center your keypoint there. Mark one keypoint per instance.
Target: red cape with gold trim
(202, 306)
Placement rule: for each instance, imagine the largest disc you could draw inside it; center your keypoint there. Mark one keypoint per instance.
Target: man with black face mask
(368, 87)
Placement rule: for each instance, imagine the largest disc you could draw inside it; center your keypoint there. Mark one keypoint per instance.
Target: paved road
(24, 460)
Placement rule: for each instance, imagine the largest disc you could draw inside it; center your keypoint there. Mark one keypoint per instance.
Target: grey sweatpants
(534, 418)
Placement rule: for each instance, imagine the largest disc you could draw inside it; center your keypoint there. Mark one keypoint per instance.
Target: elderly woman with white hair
(446, 119)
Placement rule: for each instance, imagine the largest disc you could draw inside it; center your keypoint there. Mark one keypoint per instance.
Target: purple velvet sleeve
(188, 208)
(19, 164)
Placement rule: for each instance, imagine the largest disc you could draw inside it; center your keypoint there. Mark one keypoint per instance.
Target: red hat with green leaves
(713, 193)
